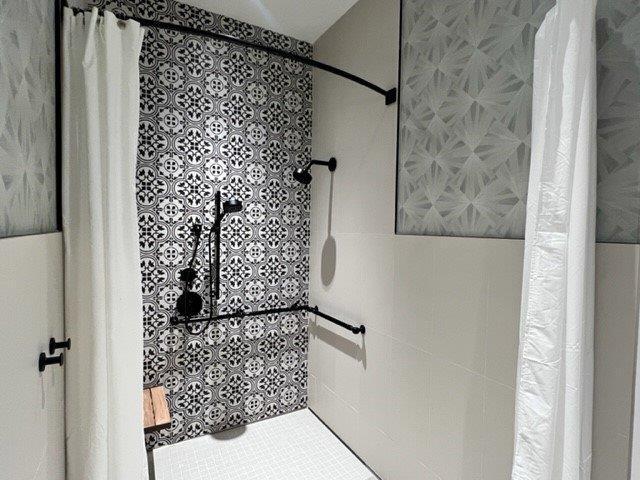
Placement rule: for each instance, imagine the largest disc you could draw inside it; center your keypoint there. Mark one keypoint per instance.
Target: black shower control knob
(53, 345)
(43, 361)
(188, 275)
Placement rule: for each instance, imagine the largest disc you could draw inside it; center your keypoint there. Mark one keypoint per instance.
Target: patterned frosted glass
(465, 117)
(27, 117)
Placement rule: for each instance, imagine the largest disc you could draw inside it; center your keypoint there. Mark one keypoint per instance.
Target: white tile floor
(296, 446)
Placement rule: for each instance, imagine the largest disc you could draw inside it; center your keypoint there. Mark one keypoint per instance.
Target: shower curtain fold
(554, 388)
(103, 287)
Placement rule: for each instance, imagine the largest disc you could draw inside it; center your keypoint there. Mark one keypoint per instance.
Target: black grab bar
(355, 330)
(360, 329)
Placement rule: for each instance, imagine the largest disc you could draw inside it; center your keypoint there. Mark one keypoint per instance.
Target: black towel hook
(53, 345)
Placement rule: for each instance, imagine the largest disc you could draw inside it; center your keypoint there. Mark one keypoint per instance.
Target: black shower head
(233, 205)
(303, 176)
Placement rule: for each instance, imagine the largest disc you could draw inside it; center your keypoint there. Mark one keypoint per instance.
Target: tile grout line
(345, 444)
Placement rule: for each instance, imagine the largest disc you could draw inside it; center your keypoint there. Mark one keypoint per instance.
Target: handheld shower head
(233, 205)
(222, 209)
(303, 175)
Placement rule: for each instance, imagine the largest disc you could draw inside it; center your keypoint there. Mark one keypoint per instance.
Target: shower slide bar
(295, 308)
(390, 96)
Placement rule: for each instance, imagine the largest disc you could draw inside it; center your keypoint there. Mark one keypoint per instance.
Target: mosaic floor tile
(295, 446)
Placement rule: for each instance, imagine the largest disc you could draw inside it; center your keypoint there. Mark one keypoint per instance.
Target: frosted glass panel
(27, 117)
(465, 117)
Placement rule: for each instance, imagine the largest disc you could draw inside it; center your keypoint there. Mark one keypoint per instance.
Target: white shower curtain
(555, 363)
(103, 293)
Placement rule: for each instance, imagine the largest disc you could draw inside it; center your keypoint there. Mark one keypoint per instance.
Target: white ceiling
(301, 19)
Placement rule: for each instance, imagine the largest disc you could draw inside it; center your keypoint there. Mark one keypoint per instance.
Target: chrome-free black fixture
(355, 329)
(303, 175)
(190, 302)
(232, 205)
(390, 95)
(54, 345)
(43, 361)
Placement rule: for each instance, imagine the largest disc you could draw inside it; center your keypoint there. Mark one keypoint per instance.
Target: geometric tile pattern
(295, 446)
(27, 118)
(465, 117)
(216, 116)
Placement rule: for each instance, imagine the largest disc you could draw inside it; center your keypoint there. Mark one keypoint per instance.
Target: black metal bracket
(360, 329)
(53, 345)
(331, 164)
(43, 361)
(390, 95)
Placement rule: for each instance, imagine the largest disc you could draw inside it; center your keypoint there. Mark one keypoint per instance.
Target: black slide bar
(295, 308)
(390, 96)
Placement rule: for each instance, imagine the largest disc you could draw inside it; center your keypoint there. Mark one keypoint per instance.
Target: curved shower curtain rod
(390, 96)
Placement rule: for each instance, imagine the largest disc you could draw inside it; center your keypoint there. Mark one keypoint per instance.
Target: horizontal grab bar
(355, 330)
(360, 329)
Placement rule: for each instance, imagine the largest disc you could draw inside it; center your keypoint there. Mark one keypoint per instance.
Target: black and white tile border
(216, 116)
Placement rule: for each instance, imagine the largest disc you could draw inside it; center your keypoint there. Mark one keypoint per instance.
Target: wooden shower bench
(156, 409)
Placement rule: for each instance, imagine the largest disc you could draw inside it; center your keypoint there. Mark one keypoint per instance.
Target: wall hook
(43, 361)
(53, 345)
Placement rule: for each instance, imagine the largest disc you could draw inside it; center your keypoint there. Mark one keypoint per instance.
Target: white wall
(32, 402)
(428, 392)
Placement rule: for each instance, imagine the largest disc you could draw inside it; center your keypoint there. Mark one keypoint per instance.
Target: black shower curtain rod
(390, 96)
(295, 308)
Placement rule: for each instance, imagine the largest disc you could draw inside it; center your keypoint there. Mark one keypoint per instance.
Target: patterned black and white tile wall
(215, 116)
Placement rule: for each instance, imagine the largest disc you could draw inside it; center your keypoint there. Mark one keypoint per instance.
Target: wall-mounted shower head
(303, 175)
